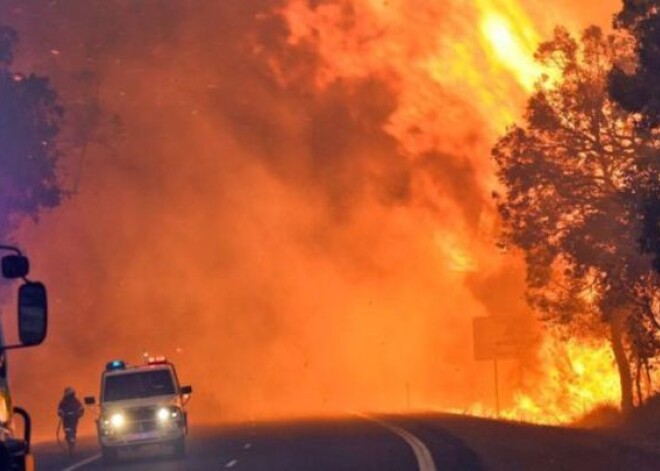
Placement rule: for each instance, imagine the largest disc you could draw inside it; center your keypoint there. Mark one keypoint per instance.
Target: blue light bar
(115, 365)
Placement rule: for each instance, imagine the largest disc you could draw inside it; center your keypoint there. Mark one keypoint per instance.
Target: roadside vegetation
(30, 121)
(580, 191)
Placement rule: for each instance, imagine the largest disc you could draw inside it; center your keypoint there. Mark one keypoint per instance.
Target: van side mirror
(32, 313)
(89, 400)
(15, 266)
(186, 390)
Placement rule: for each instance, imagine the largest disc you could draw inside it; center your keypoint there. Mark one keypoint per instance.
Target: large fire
(580, 377)
(484, 54)
(577, 378)
(295, 204)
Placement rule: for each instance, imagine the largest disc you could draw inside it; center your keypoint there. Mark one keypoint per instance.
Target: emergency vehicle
(141, 405)
(32, 329)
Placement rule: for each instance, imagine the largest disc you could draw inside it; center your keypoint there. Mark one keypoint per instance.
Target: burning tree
(638, 90)
(571, 174)
(29, 122)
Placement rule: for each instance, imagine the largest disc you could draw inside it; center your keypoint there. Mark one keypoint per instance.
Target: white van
(141, 405)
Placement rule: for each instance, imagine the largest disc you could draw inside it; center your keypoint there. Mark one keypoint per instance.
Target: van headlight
(117, 420)
(163, 414)
(114, 421)
(167, 414)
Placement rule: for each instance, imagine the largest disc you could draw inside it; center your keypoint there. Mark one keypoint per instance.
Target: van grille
(138, 414)
(141, 419)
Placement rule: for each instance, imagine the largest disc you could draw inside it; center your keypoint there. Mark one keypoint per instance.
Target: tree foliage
(570, 175)
(638, 90)
(30, 118)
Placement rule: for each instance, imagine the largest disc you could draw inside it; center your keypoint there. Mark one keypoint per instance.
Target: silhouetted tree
(29, 122)
(650, 214)
(637, 89)
(568, 175)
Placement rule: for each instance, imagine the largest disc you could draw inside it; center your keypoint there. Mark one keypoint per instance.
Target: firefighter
(70, 411)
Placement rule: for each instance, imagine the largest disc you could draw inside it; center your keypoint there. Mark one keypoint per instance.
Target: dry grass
(646, 419)
(603, 417)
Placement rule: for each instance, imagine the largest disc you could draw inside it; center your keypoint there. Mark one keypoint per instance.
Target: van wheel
(180, 447)
(109, 455)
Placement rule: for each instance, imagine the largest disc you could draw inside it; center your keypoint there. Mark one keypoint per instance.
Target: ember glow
(296, 204)
(576, 379)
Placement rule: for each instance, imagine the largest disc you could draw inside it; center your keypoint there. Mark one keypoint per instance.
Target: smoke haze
(302, 225)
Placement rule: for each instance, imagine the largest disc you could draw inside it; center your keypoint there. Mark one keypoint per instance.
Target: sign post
(497, 338)
(497, 390)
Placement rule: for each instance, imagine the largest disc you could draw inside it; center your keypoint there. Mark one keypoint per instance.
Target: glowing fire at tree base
(580, 377)
(576, 379)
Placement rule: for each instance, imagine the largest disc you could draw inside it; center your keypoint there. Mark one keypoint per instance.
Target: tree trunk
(638, 383)
(625, 376)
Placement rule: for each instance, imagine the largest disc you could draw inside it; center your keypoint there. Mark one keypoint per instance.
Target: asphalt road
(428, 442)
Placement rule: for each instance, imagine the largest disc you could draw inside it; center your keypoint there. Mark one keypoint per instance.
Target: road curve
(397, 442)
(319, 445)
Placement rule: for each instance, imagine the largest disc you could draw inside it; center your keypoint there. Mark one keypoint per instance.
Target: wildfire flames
(577, 378)
(424, 51)
(297, 208)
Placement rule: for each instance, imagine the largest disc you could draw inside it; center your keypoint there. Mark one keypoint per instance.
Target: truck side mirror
(90, 401)
(27, 427)
(185, 390)
(32, 313)
(15, 266)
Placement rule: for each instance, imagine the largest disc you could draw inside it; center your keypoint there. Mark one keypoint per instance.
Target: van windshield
(138, 385)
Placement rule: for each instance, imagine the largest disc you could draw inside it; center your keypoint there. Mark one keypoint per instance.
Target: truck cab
(15, 452)
(141, 405)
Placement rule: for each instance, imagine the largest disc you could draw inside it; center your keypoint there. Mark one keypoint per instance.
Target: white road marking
(247, 446)
(82, 463)
(231, 464)
(424, 458)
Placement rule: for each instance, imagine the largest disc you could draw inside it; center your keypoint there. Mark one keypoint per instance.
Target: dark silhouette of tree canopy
(29, 122)
(650, 212)
(638, 90)
(570, 175)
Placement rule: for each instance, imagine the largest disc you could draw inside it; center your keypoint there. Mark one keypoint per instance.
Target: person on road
(70, 410)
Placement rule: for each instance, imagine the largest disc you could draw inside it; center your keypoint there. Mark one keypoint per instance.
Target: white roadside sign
(498, 338)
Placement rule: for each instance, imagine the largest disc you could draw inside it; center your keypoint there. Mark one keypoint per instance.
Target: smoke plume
(288, 199)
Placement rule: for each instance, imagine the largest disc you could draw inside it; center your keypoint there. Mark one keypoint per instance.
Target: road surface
(423, 442)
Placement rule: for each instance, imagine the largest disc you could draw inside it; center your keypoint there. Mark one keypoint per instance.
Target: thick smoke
(272, 235)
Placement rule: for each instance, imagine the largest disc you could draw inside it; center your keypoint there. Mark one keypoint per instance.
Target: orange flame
(512, 46)
(580, 377)
(448, 73)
